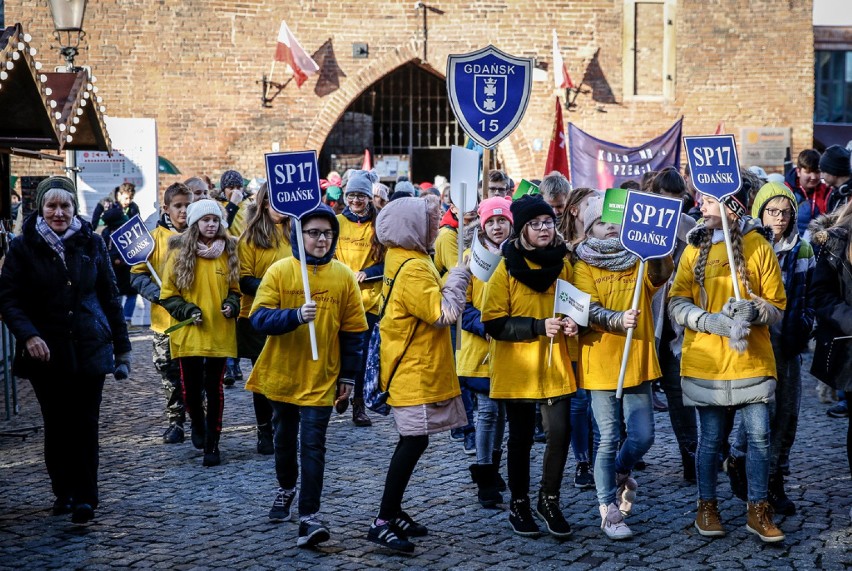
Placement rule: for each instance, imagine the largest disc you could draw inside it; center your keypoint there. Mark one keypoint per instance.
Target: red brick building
(194, 66)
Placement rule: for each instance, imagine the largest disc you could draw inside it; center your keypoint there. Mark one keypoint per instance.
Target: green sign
(613, 207)
(524, 188)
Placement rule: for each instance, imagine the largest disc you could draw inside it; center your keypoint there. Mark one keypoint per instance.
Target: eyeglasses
(775, 213)
(357, 196)
(317, 234)
(499, 190)
(542, 224)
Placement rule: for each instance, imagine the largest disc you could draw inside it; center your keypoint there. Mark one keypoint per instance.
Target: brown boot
(359, 415)
(760, 522)
(707, 520)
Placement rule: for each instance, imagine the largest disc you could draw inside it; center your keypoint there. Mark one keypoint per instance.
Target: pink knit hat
(495, 206)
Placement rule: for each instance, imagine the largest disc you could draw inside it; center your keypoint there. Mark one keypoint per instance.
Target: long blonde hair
(185, 255)
(260, 230)
(566, 225)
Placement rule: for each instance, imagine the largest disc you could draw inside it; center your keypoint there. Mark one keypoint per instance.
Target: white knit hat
(594, 210)
(198, 210)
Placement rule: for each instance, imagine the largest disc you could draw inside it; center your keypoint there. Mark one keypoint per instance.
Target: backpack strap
(390, 291)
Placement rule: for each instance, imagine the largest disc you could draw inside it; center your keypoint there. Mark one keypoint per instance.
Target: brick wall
(193, 65)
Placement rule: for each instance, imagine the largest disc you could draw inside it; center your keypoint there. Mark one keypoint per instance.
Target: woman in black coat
(58, 297)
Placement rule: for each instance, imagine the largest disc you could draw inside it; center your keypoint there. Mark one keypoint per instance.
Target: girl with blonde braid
(719, 373)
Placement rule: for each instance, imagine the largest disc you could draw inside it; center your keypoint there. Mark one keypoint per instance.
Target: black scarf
(551, 259)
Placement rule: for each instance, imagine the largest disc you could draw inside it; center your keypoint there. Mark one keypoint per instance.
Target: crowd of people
(225, 282)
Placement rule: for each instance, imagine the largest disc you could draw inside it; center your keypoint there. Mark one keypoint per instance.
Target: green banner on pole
(613, 207)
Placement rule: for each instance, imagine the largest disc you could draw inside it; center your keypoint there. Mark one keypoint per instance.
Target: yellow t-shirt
(518, 369)
(601, 352)
(425, 373)
(160, 318)
(472, 360)
(446, 249)
(353, 249)
(708, 356)
(215, 336)
(285, 372)
(255, 261)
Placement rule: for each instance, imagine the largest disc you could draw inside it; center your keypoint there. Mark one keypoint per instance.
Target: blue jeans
(288, 421)
(581, 425)
(129, 306)
(490, 427)
(755, 419)
(358, 390)
(638, 414)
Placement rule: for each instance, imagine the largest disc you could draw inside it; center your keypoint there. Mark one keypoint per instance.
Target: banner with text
(600, 164)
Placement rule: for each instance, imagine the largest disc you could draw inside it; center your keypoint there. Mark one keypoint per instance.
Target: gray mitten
(122, 366)
(743, 310)
(715, 323)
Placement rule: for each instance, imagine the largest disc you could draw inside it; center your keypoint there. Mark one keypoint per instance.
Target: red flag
(720, 128)
(557, 156)
(368, 161)
(560, 73)
(290, 51)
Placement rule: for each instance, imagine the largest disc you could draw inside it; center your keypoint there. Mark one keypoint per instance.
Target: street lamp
(68, 18)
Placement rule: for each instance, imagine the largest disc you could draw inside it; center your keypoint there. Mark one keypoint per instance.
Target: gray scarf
(607, 254)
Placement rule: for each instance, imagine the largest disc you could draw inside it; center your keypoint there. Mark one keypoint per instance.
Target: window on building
(833, 90)
(649, 49)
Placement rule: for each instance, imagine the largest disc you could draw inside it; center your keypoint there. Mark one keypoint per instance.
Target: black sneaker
(457, 434)
(521, 518)
(385, 536)
(212, 458)
(312, 532)
(173, 434)
(83, 513)
(840, 410)
(583, 477)
(228, 378)
(470, 443)
(198, 435)
(550, 513)
(63, 505)
(409, 528)
(280, 510)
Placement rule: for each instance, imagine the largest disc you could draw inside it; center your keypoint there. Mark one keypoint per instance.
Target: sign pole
(550, 350)
(723, 211)
(637, 296)
(306, 285)
(460, 242)
(486, 165)
(154, 274)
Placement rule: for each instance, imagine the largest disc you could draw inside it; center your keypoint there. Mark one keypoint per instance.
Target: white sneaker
(612, 522)
(626, 494)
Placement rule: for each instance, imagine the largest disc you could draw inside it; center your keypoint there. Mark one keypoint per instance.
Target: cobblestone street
(161, 509)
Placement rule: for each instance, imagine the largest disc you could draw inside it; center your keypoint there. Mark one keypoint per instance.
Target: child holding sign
(518, 313)
(608, 273)
(176, 199)
(302, 391)
(717, 374)
(495, 218)
(201, 284)
(265, 241)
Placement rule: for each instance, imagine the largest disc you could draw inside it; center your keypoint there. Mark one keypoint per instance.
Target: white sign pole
(550, 350)
(306, 285)
(637, 296)
(154, 274)
(460, 240)
(723, 212)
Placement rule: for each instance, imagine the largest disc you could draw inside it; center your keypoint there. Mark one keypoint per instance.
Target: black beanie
(528, 207)
(835, 161)
(739, 201)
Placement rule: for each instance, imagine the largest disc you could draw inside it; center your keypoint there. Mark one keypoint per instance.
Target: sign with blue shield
(489, 92)
(133, 241)
(713, 164)
(650, 225)
(293, 178)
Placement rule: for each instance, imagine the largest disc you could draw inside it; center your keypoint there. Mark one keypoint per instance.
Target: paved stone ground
(161, 509)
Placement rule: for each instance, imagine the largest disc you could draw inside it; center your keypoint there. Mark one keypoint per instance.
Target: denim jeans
(638, 414)
(358, 390)
(755, 419)
(783, 414)
(581, 425)
(312, 421)
(490, 427)
(129, 306)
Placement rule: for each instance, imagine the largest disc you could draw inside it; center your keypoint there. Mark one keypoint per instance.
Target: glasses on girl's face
(315, 234)
(779, 213)
(542, 224)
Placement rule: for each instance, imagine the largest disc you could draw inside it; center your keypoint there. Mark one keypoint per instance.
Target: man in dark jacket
(58, 297)
(835, 169)
(810, 191)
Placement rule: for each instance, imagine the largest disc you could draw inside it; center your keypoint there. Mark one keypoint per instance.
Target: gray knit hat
(231, 179)
(361, 182)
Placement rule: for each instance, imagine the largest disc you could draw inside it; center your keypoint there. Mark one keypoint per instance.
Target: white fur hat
(198, 210)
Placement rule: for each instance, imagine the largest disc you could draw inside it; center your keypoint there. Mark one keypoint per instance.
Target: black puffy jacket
(74, 307)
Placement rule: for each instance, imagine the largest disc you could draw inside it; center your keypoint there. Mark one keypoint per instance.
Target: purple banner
(600, 164)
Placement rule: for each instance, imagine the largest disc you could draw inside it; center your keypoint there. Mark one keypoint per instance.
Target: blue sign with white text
(489, 92)
(293, 179)
(713, 164)
(133, 241)
(650, 224)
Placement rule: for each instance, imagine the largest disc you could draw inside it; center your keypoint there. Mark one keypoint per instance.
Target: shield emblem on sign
(489, 92)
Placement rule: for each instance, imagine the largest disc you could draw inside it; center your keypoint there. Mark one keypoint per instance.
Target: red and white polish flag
(290, 51)
(560, 73)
